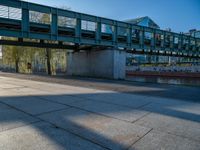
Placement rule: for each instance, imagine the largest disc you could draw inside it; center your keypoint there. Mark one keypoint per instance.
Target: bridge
(48, 27)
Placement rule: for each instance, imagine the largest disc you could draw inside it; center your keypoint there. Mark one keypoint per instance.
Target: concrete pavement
(37, 115)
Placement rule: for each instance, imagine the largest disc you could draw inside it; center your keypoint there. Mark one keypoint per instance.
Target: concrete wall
(77, 63)
(104, 63)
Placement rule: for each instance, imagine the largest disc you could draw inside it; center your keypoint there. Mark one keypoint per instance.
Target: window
(135, 33)
(39, 17)
(148, 35)
(197, 34)
(122, 31)
(198, 43)
(66, 22)
(10, 12)
(88, 25)
(176, 40)
(167, 38)
(192, 42)
(158, 37)
(105, 28)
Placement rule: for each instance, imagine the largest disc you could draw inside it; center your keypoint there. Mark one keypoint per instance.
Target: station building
(146, 22)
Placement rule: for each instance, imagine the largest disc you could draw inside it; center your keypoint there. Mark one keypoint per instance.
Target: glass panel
(105, 28)
(185, 41)
(39, 17)
(135, 33)
(176, 39)
(171, 38)
(122, 31)
(88, 25)
(197, 34)
(10, 12)
(66, 22)
(198, 43)
(192, 42)
(15, 13)
(148, 35)
(158, 39)
(162, 37)
(167, 38)
(3, 11)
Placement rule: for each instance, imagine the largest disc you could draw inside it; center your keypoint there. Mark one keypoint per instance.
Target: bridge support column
(97, 63)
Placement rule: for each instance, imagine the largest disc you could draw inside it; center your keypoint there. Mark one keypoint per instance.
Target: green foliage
(46, 19)
(18, 57)
(58, 61)
(14, 56)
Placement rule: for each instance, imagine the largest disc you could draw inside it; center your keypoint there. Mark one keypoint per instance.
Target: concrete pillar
(97, 63)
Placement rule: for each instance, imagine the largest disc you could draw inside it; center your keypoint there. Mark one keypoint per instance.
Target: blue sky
(179, 15)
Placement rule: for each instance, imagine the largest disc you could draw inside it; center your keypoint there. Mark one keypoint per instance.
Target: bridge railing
(27, 20)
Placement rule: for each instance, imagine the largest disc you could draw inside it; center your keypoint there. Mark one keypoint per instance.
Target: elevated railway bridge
(48, 27)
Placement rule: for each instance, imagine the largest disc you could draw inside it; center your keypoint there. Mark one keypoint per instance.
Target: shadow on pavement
(92, 125)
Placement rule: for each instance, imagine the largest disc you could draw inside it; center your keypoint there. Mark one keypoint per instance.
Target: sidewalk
(75, 114)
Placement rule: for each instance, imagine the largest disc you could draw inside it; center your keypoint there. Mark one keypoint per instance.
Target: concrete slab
(32, 105)
(185, 107)
(176, 123)
(172, 121)
(10, 118)
(156, 140)
(175, 107)
(53, 87)
(62, 99)
(129, 100)
(111, 110)
(8, 86)
(29, 91)
(108, 132)
(43, 136)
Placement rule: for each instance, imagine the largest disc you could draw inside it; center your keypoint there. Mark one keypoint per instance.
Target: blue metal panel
(39, 8)
(142, 38)
(25, 21)
(88, 18)
(54, 24)
(106, 21)
(98, 33)
(153, 40)
(78, 31)
(10, 33)
(129, 37)
(11, 3)
(114, 35)
(40, 36)
(68, 39)
(67, 13)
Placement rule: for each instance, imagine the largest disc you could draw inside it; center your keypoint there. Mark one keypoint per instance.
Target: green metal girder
(24, 29)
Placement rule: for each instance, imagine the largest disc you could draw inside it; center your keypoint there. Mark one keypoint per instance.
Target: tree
(14, 55)
(11, 55)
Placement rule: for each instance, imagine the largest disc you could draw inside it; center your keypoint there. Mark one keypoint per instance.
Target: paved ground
(76, 114)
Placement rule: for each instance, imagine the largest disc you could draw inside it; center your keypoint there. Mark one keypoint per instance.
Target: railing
(27, 20)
